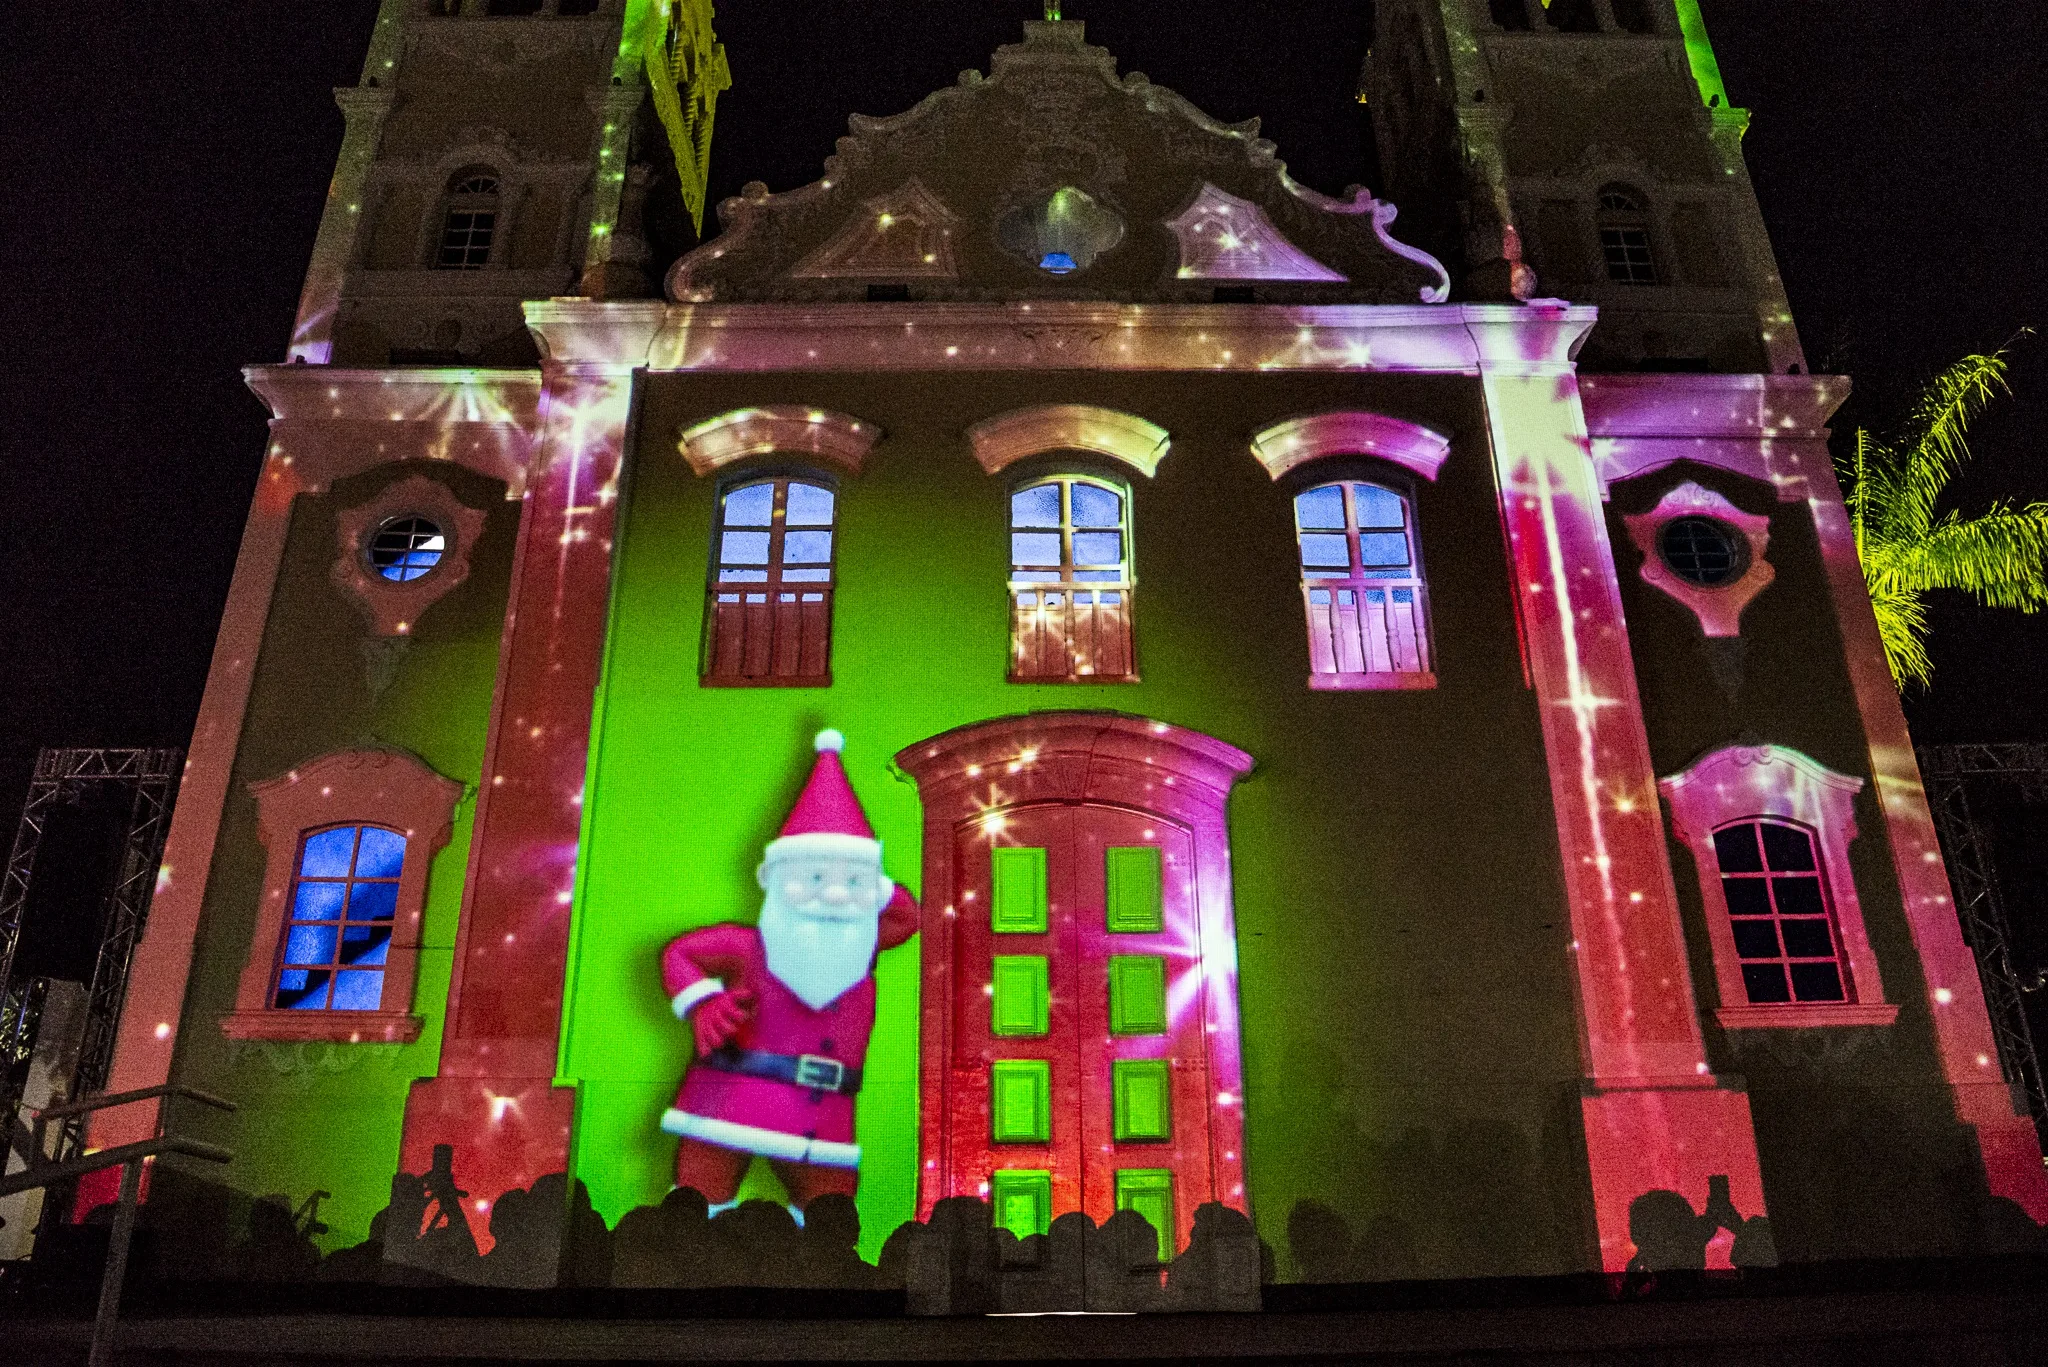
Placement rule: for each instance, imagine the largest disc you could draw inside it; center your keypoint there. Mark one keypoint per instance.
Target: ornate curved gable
(1052, 177)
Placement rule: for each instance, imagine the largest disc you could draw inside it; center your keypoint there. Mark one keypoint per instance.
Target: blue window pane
(362, 946)
(303, 989)
(1034, 548)
(318, 902)
(1038, 506)
(358, 991)
(1325, 550)
(1095, 506)
(753, 506)
(1034, 576)
(807, 577)
(744, 548)
(309, 945)
(809, 505)
(373, 902)
(743, 576)
(1321, 508)
(1383, 550)
(807, 548)
(381, 853)
(1787, 848)
(1735, 847)
(1099, 576)
(327, 854)
(1378, 507)
(1098, 548)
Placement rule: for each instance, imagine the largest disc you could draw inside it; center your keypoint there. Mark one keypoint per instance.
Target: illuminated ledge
(1284, 446)
(1439, 339)
(339, 1027)
(1805, 1015)
(1004, 440)
(1361, 683)
(785, 428)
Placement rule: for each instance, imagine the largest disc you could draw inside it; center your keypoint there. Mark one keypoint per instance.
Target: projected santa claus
(781, 1011)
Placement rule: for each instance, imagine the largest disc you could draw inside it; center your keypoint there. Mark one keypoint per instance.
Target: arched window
(1361, 579)
(769, 619)
(1780, 913)
(1769, 830)
(471, 222)
(1625, 236)
(1070, 581)
(344, 902)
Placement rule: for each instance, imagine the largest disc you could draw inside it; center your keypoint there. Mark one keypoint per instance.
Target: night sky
(165, 163)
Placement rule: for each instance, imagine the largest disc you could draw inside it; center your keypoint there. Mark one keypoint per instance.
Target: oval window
(1703, 551)
(403, 549)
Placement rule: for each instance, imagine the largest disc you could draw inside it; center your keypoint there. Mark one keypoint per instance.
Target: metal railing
(42, 1171)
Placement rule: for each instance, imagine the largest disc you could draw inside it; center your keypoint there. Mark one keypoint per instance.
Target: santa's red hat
(827, 819)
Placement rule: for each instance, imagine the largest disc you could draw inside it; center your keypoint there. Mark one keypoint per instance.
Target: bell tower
(497, 151)
(1591, 142)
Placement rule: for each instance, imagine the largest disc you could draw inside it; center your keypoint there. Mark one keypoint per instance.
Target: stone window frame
(1772, 782)
(370, 786)
(391, 607)
(1719, 607)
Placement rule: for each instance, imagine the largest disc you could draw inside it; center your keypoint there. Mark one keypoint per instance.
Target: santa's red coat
(763, 1115)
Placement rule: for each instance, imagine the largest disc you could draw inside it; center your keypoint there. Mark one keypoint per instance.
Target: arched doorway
(1079, 1036)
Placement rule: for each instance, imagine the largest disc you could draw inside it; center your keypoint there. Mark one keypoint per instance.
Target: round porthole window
(1703, 550)
(403, 549)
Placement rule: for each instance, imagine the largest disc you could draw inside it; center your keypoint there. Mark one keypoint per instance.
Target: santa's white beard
(817, 957)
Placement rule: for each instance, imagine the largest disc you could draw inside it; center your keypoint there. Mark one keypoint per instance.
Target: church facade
(1320, 711)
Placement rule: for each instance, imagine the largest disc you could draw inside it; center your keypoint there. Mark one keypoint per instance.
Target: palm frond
(1902, 627)
(1997, 557)
(1934, 443)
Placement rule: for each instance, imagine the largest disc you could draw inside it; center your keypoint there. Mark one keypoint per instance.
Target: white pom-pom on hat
(830, 739)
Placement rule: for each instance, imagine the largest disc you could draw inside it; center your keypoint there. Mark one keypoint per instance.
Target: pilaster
(363, 109)
(497, 1102)
(1656, 1117)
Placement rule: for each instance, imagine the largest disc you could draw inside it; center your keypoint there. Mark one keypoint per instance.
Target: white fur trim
(830, 739)
(686, 1000)
(825, 843)
(790, 1148)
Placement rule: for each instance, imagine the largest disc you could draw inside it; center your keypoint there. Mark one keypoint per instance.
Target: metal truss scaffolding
(65, 775)
(1950, 773)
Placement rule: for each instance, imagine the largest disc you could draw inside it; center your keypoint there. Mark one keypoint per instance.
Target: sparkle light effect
(1773, 429)
(1653, 1117)
(1223, 237)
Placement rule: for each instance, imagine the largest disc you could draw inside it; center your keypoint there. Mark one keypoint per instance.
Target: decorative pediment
(907, 235)
(988, 189)
(1223, 237)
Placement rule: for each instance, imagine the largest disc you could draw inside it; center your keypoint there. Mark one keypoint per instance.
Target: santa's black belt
(814, 1071)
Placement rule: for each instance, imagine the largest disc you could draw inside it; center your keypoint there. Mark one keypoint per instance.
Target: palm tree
(1907, 547)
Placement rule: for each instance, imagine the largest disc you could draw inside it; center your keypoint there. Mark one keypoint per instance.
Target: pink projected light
(1745, 782)
(1223, 237)
(1773, 428)
(1718, 606)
